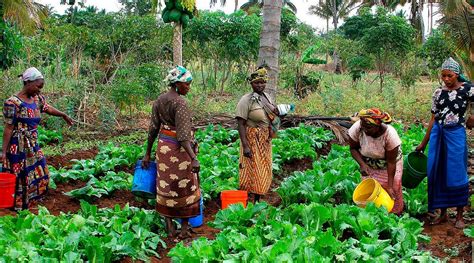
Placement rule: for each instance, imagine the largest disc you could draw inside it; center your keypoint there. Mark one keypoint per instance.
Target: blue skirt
(448, 184)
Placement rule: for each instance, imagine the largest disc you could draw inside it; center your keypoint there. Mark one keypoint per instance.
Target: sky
(301, 5)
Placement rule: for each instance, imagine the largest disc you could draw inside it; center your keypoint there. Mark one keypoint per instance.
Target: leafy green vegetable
(93, 235)
(307, 233)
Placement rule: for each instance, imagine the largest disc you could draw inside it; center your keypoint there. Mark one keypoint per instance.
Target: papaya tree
(179, 12)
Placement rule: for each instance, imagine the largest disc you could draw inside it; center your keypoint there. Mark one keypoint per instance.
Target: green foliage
(219, 154)
(92, 235)
(48, 136)
(469, 231)
(307, 233)
(386, 38)
(324, 183)
(136, 7)
(105, 185)
(11, 44)
(392, 36)
(436, 49)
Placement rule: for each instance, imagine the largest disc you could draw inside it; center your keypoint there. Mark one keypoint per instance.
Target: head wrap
(178, 74)
(375, 116)
(451, 64)
(259, 74)
(31, 74)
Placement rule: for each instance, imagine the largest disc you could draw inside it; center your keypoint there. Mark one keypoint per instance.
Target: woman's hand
(68, 120)
(247, 152)
(421, 147)
(3, 158)
(146, 161)
(364, 170)
(196, 166)
(470, 122)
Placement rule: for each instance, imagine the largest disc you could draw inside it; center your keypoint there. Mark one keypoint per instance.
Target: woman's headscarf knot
(260, 74)
(31, 74)
(178, 74)
(375, 116)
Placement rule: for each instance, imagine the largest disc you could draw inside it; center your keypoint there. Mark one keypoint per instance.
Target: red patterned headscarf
(375, 116)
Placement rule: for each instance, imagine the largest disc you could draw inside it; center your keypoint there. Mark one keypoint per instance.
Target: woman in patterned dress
(375, 145)
(22, 155)
(177, 183)
(448, 184)
(255, 111)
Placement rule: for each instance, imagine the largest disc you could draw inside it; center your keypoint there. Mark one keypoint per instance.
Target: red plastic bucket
(229, 197)
(7, 190)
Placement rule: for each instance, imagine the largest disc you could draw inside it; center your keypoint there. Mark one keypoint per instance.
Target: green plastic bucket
(414, 169)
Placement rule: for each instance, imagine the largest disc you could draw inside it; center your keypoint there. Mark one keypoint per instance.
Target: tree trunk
(236, 6)
(178, 44)
(335, 18)
(327, 37)
(269, 50)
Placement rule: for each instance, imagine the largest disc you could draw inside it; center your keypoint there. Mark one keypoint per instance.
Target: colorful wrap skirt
(177, 186)
(255, 174)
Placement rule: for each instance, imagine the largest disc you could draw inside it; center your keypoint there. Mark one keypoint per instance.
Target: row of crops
(315, 222)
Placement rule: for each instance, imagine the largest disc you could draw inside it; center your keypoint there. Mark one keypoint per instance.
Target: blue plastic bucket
(144, 181)
(197, 221)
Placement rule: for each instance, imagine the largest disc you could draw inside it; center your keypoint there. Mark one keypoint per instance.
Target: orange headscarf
(375, 116)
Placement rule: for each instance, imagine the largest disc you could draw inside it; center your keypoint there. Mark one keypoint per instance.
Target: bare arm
(54, 112)
(243, 137)
(7, 135)
(153, 130)
(391, 159)
(355, 146)
(426, 139)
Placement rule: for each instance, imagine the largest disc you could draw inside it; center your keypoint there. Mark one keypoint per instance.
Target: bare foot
(441, 219)
(459, 224)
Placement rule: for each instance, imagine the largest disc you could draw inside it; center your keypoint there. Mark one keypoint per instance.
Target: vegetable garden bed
(446, 240)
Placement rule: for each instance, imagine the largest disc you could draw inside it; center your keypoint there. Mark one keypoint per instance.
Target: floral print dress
(24, 156)
(449, 106)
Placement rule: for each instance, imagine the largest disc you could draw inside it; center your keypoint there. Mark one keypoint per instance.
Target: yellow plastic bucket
(369, 190)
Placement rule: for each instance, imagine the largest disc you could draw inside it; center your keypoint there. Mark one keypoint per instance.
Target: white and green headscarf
(178, 74)
(451, 64)
(31, 74)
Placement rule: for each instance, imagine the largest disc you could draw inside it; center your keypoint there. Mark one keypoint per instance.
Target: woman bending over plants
(448, 184)
(178, 192)
(22, 155)
(375, 145)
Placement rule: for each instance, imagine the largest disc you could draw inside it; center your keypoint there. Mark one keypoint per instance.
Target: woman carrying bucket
(22, 155)
(448, 184)
(255, 113)
(177, 183)
(375, 145)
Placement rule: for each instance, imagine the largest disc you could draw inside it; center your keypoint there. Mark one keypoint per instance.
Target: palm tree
(269, 50)
(260, 3)
(458, 18)
(335, 9)
(26, 14)
(389, 4)
(224, 2)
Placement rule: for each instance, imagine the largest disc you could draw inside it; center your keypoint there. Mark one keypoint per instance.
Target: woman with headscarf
(177, 182)
(22, 155)
(448, 184)
(255, 114)
(376, 147)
